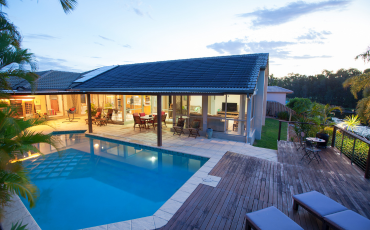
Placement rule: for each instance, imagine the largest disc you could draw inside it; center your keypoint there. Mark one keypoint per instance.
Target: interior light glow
(96, 145)
(26, 158)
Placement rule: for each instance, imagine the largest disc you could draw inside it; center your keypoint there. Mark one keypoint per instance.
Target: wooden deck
(249, 184)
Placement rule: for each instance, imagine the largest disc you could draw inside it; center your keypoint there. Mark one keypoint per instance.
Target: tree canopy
(325, 88)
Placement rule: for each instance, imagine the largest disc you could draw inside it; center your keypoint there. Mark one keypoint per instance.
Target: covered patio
(226, 94)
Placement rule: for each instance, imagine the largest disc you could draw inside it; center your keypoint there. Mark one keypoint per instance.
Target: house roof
(277, 89)
(237, 73)
(48, 80)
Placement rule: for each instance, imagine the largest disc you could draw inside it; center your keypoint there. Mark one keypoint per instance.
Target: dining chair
(138, 121)
(179, 128)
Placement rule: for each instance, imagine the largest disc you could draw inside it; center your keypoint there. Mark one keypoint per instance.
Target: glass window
(195, 105)
(83, 98)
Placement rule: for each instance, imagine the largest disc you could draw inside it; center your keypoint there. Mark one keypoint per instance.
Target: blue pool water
(96, 182)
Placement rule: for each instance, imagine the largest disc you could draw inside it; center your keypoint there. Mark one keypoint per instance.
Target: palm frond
(365, 56)
(68, 5)
(19, 184)
(357, 83)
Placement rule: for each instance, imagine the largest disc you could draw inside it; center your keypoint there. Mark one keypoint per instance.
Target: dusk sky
(301, 36)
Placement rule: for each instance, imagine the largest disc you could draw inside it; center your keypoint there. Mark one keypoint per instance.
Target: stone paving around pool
(200, 146)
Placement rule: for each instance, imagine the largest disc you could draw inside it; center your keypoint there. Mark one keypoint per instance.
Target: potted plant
(321, 116)
(93, 110)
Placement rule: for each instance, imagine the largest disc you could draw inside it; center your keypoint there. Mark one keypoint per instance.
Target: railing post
(353, 149)
(341, 148)
(333, 138)
(367, 168)
(279, 130)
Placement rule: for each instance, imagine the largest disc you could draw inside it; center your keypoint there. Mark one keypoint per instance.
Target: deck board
(249, 184)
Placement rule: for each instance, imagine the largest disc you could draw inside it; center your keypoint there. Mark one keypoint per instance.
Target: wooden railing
(358, 152)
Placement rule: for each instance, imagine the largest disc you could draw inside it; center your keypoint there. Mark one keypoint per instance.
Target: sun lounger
(269, 218)
(346, 220)
(331, 213)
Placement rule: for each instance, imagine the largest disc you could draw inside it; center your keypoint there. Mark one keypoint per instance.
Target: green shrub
(283, 115)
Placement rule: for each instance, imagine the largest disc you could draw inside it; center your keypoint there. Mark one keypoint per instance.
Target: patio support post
(174, 110)
(249, 117)
(89, 121)
(159, 120)
(241, 115)
(204, 111)
(124, 108)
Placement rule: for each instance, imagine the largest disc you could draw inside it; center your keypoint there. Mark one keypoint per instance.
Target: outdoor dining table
(315, 139)
(147, 118)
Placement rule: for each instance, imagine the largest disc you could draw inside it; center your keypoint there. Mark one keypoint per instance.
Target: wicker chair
(154, 122)
(194, 130)
(164, 119)
(139, 122)
(179, 128)
(109, 115)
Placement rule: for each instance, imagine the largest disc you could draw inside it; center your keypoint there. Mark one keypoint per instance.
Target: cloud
(276, 49)
(98, 43)
(95, 57)
(276, 16)
(126, 46)
(313, 35)
(138, 12)
(46, 63)
(239, 46)
(105, 38)
(40, 36)
(233, 47)
(309, 57)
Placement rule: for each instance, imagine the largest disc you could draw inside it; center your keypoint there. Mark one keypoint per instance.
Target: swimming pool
(98, 181)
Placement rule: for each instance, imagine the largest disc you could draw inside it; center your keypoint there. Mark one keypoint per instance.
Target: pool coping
(159, 219)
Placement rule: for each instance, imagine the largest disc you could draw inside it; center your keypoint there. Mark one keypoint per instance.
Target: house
(276, 93)
(227, 93)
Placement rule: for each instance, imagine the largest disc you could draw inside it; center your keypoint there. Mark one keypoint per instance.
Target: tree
(360, 83)
(365, 56)
(16, 139)
(67, 5)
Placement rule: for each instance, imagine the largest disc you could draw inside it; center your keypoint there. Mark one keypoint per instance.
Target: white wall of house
(279, 97)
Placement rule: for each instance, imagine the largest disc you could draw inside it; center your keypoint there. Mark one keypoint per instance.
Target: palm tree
(361, 83)
(67, 5)
(16, 138)
(16, 141)
(321, 115)
(13, 59)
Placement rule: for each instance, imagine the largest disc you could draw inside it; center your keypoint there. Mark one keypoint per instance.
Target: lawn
(270, 134)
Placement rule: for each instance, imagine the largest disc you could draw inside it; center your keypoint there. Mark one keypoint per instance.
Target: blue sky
(301, 36)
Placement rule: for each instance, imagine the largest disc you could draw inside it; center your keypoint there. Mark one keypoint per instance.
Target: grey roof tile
(233, 72)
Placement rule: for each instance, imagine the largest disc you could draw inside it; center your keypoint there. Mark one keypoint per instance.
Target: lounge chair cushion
(318, 203)
(348, 220)
(271, 218)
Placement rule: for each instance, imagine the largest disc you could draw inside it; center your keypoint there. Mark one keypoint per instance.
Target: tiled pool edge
(161, 217)
(23, 215)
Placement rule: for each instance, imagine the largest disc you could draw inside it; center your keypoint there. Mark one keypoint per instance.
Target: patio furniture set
(193, 129)
(145, 121)
(311, 151)
(331, 214)
(99, 120)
